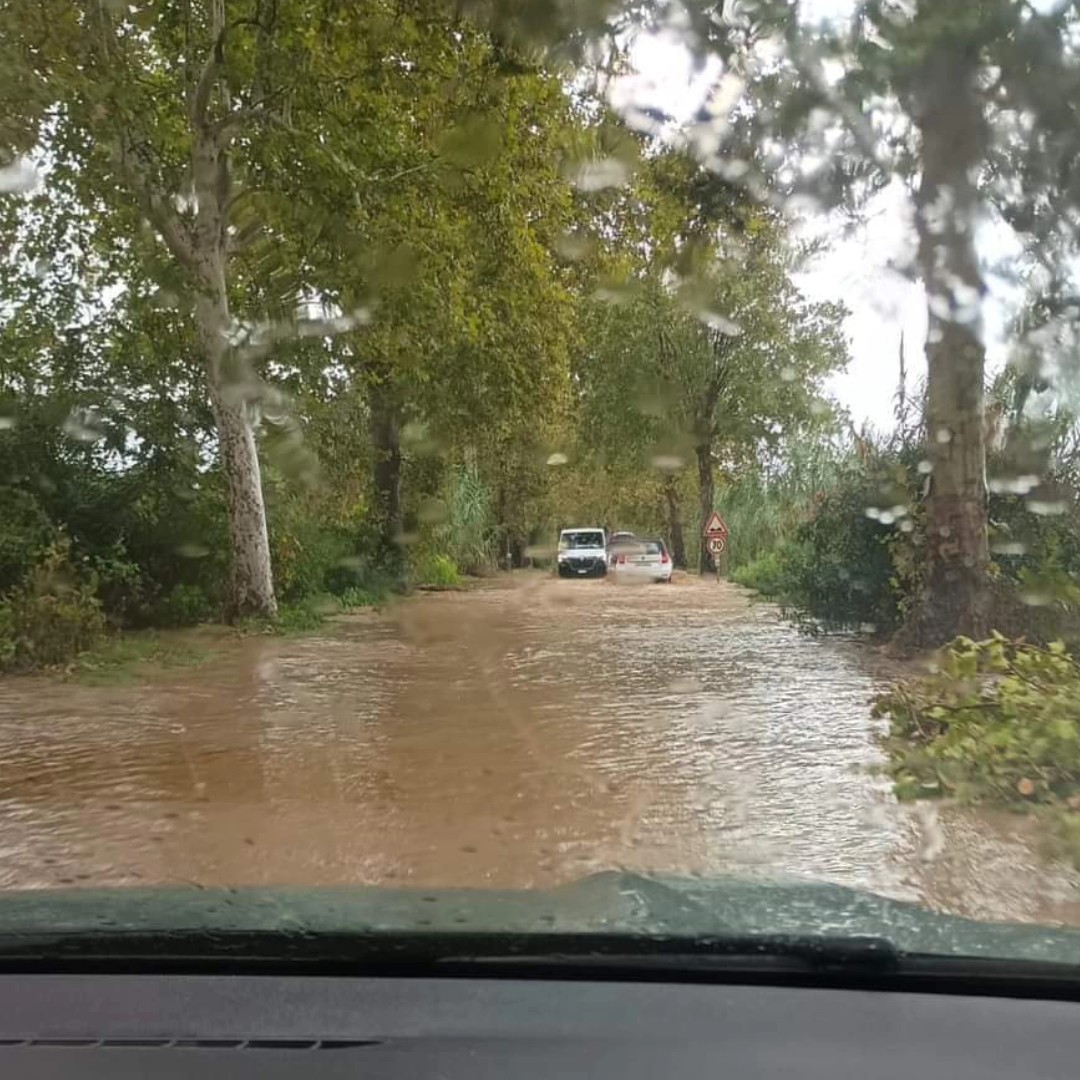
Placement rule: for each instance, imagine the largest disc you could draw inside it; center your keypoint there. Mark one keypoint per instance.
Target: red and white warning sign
(716, 545)
(715, 527)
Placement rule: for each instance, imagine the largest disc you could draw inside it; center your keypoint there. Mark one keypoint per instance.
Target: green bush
(467, 532)
(140, 529)
(999, 720)
(25, 534)
(184, 605)
(307, 553)
(838, 570)
(7, 637)
(120, 582)
(52, 617)
(767, 574)
(357, 596)
(439, 570)
(307, 614)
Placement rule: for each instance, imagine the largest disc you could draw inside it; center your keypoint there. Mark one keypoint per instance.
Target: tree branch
(155, 206)
(211, 70)
(229, 125)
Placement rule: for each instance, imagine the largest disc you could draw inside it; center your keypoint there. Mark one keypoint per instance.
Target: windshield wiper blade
(756, 951)
(368, 949)
(822, 961)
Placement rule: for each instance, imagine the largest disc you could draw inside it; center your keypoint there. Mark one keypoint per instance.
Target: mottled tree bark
(251, 591)
(251, 583)
(955, 593)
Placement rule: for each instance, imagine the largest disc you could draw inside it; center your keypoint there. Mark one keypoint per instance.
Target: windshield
(335, 339)
(582, 540)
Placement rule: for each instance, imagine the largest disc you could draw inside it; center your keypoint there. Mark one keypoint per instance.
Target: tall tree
(450, 254)
(714, 352)
(969, 103)
(155, 114)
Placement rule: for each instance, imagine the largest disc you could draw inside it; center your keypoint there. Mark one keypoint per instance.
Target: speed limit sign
(717, 545)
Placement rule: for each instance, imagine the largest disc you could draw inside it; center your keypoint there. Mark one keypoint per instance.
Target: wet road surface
(523, 733)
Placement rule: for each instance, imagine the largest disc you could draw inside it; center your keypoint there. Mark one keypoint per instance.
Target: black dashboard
(119, 1026)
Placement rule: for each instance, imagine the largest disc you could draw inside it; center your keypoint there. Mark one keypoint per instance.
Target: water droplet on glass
(617, 291)
(557, 459)
(598, 175)
(788, 374)
(165, 300)
(686, 684)
(925, 467)
(571, 246)
(720, 323)
(1008, 547)
(82, 425)
(1014, 485)
(432, 511)
(19, 177)
(943, 436)
(1036, 598)
(932, 841)
(1047, 507)
(668, 462)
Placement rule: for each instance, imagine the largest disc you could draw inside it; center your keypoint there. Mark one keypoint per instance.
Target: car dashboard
(206, 1026)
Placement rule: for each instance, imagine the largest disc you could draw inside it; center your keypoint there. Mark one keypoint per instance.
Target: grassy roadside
(131, 657)
(136, 656)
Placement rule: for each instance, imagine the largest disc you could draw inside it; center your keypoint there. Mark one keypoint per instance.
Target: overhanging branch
(211, 69)
(155, 205)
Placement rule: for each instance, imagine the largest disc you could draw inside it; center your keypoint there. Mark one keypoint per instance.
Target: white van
(582, 552)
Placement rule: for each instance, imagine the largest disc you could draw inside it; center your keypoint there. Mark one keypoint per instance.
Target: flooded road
(523, 733)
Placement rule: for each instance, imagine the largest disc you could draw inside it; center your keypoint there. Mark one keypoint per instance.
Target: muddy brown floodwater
(523, 733)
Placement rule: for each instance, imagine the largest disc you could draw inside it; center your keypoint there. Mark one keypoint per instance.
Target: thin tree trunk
(251, 591)
(707, 496)
(251, 582)
(201, 247)
(955, 595)
(674, 522)
(386, 444)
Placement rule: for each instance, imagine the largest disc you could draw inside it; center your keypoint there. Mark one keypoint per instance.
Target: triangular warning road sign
(715, 526)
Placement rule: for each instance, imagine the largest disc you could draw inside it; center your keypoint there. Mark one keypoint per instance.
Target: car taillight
(664, 560)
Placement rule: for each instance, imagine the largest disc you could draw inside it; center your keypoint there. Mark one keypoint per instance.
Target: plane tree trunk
(955, 589)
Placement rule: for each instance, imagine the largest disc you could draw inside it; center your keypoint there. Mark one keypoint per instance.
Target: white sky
(858, 265)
